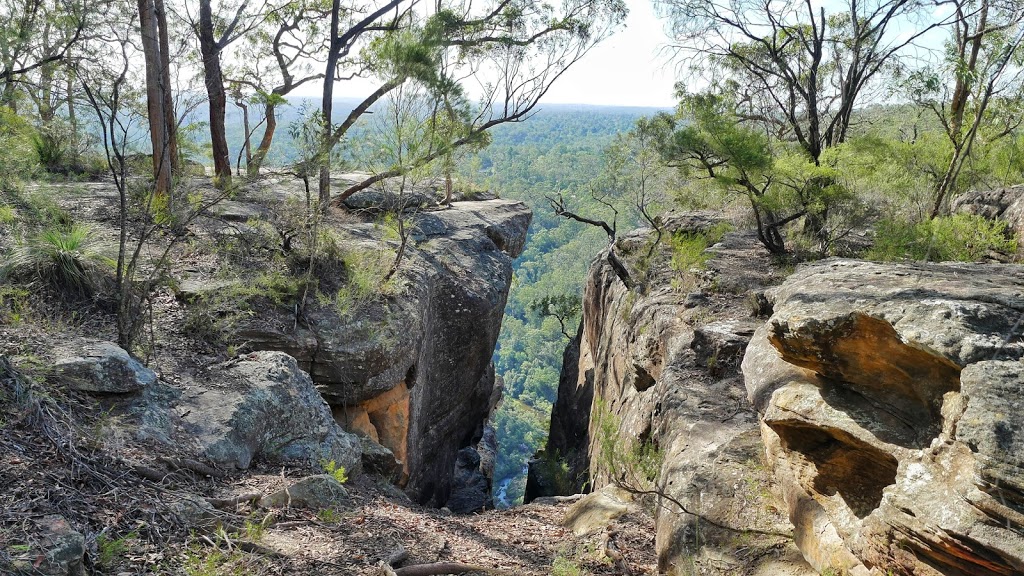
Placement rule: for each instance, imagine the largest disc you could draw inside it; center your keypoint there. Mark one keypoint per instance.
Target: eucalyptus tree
(275, 59)
(38, 33)
(976, 91)
(216, 31)
(482, 63)
(791, 67)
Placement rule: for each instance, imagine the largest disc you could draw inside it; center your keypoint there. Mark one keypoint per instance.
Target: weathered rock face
(665, 368)
(100, 367)
(260, 405)
(415, 373)
(999, 204)
(890, 400)
(316, 492)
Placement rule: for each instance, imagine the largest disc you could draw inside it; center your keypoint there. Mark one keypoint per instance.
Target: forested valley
(174, 200)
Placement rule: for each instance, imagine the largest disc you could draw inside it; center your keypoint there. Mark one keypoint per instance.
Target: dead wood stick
(437, 568)
(398, 556)
(194, 466)
(222, 503)
(611, 550)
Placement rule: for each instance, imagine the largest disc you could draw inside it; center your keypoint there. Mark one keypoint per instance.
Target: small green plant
(364, 280)
(7, 214)
(634, 464)
(960, 237)
(109, 550)
(332, 468)
(14, 304)
(254, 527)
(199, 561)
(563, 566)
(71, 259)
(689, 248)
(329, 516)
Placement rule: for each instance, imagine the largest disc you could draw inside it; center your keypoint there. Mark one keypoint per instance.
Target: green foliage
(200, 561)
(555, 470)
(689, 249)
(632, 463)
(14, 304)
(363, 281)
(7, 215)
(18, 158)
(563, 566)
(329, 516)
(110, 550)
(71, 259)
(333, 469)
(961, 237)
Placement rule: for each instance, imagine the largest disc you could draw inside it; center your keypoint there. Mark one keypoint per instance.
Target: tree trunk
(170, 120)
(328, 108)
(155, 101)
(256, 162)
(214, 78)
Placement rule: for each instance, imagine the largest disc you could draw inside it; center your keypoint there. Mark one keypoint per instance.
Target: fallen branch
(225, 503)
(193, 466)
(438, 568)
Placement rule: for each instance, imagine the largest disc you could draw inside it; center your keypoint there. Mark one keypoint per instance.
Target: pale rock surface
(665, 369)
(890, 401)
(315, 492)
(100, 367)
(260, 405)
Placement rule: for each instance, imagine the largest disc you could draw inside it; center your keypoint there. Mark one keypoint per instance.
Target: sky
(624, 70)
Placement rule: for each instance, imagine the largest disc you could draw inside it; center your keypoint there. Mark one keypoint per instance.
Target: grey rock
(471, 488)
(436, 338)
(193, 511)
(596, 511)
(235, 211)
(59, 551)
(263, 406)
(315, 492)
(998, 204)
(378, 460)
(890, 402)
(376, 200)
(101, 367)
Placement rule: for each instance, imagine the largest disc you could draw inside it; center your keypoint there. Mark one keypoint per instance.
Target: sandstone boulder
(262, 405)
(59, 550)
(391, 370)
(890, 404)
(652, 366)
(316, 492)
(101, 367)
(999, 204)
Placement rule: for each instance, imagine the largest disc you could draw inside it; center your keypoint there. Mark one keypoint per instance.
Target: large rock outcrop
(413, 371)
(1005, 204)
(891, 410)
(661, 362)
(257, 406)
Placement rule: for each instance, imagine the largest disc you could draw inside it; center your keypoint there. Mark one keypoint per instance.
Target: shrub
(688, 248)
(17, 154)
(70, 259)
(960, 237)
(338, 472)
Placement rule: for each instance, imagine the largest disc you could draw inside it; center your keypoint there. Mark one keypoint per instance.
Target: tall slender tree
(509, 51)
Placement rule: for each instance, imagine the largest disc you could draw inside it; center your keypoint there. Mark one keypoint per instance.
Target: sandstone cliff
(876, 420)
(414, 372)
(890, 400)
(662, 361)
